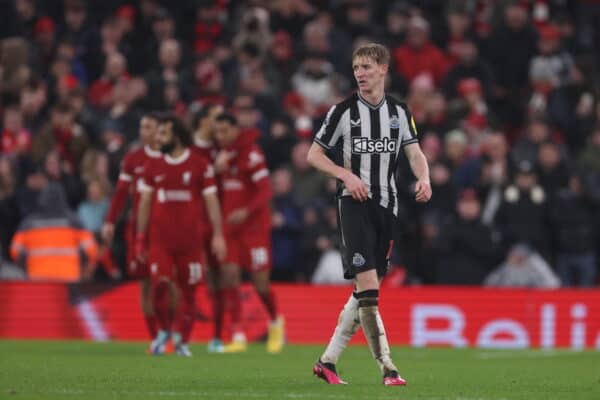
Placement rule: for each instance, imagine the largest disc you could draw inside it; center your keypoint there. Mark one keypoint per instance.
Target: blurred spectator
(308, 183)
(209, 85)
(358, 18)
(9, 210)
(314, 81)
(16, 140)
(282, 57)
(291, 16)
(523, 214)
(79, 29)
(495, 171)
(319, 234)
(458, 22)
(527, 148)
(101, 90)
(445, 191)
(574, 235)
(396, 23)
(208, 28)
(464, 168)
(420, 94)
(170, 71)
(468, 65)
(287, 227)
(589, 158)
(43, 45)
(419, 55)
(523, 268)
(60, 172)
(550, 73)
(509, 49)
(553, 172)
(14, 70)
(33, 102)
(49, 240)
(436, 118)
(27, 16)
(92, 210)
(278, 144)
(61, 134)
(467, 247)
(254, 30)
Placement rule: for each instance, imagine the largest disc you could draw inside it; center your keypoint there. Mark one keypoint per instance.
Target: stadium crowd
(504, 94)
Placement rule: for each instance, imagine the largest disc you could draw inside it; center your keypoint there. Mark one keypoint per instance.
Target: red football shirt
(132, 171)
(246, 184)
(178, 218)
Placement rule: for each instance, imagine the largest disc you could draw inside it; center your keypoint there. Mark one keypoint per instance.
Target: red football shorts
(185, 268)
(251, 251)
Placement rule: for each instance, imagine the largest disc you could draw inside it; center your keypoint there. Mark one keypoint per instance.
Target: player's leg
(258, 251)
(163, 295)
(139, 270)
(215, 292)
(355, 235)
(231, 280)
(147, 306)
(367, 293)
(189, 274)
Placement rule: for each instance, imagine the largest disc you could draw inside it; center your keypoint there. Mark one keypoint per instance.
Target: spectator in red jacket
(419, 55)
(16, 140)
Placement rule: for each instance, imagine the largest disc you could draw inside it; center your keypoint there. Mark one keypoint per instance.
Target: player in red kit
(246, 195)
(205, 145)
(178, 192)
(132, 169)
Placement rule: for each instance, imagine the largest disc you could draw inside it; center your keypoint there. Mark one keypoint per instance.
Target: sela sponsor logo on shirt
(363, 145)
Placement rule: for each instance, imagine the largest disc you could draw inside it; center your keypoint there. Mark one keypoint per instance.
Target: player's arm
(118, 201)
(257, 174)
(418, 164)
(318, 159)
(213, 209)
(143, 219)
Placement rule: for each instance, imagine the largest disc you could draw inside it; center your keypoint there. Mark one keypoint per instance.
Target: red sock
(218, 312)
(268, 300)
(232, 299)
(186, 312)
(151, 325)
(161, 300)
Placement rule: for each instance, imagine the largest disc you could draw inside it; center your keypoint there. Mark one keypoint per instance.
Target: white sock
(347, 325)
(372, 326)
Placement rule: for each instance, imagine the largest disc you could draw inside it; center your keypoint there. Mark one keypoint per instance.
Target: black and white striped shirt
(371, 137)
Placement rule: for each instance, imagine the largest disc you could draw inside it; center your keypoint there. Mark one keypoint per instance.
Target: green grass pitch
(83, 370)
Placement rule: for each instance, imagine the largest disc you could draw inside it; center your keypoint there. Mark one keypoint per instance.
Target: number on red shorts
(259, 256)
(195, 273)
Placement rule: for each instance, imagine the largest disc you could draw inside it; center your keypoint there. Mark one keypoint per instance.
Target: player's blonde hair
(375, 51)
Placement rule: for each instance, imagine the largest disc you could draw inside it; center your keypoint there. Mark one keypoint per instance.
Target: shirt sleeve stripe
(258, 175)
(125, 177)
(144, 187)
(209, 190)
(318, 141)
(411, 141)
